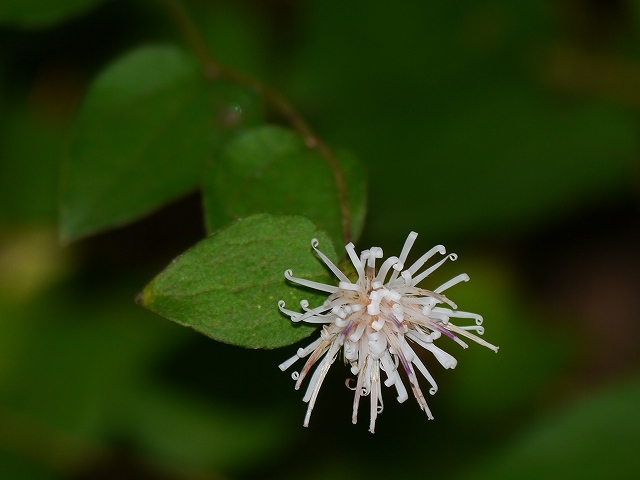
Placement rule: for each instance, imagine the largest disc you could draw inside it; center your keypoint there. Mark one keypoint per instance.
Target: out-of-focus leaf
(143, 133)
(500, 156)
(514, 155)
(82, 365)
(595, 438)
(17, 468)
(35, 13)
(234, 34)
(73, 358)
(457, 115)
(486, 383)
(12, 339)
(30, 154)
(269, 169)
(228, 285)
(386, 67)
(187, 431)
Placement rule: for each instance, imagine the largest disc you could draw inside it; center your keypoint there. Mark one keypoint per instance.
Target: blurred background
(508, 131)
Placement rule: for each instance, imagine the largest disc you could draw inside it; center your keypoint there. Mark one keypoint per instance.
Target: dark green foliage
(37, 13)
(146, 127)
(593, 439)
(269, 169)
(507, 131)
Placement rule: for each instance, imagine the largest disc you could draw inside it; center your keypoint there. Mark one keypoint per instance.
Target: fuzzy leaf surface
(229, 284)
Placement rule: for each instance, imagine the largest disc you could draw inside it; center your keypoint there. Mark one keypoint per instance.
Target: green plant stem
(214, 70)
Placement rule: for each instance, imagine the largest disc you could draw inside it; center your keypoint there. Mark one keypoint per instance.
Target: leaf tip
(69, 230)
(144, 298)
(140, 299)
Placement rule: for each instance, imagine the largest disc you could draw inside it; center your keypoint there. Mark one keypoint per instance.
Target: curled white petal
(417, 279)
(336, 271)
(459, 314)
(411, 238)
(351, 251)
(463, 277)
(384, 269)
(309, 283)
(424, 258)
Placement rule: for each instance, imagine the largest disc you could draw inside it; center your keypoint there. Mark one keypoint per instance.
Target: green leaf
(147, 125)
(597, 438)
(269, 169)
(228, 285)
(32, 13)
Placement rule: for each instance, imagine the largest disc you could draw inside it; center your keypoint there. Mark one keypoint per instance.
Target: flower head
(376, 322)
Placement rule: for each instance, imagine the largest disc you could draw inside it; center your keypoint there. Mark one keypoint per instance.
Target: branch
(214, 70)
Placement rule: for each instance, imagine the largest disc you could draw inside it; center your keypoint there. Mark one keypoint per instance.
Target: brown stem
(213, 70)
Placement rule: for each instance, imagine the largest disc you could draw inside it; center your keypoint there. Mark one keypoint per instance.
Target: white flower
(374, 321)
